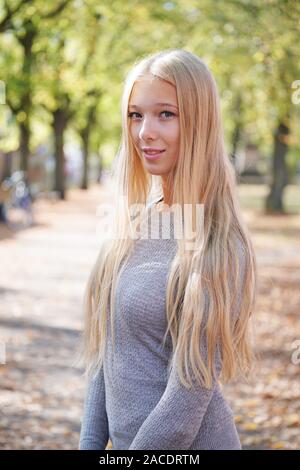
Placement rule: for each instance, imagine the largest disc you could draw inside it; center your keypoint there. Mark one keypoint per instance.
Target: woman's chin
(156, 170)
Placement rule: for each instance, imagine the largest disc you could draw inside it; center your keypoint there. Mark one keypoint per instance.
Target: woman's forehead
(152, 92)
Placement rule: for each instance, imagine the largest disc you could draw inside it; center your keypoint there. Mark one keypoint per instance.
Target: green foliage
(82, 50)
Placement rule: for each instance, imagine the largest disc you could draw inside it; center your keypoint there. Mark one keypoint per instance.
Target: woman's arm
(94, 433)
(175, 421)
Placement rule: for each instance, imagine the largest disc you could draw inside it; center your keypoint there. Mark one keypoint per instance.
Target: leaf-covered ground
(42, 280)
(268, 408)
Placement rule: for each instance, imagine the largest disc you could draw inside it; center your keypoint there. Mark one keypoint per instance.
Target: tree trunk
(26, 40)
(85, 136)
(236, 135)
(24, 145)
(60, 121)
(274, 201)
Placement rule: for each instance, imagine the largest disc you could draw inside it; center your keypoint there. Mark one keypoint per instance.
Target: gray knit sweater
(132, 400)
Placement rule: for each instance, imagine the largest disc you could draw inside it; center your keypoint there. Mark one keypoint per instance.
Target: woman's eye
(167, 114)
(130, 115)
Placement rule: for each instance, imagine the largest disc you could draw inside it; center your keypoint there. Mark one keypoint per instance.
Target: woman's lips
(153, 156)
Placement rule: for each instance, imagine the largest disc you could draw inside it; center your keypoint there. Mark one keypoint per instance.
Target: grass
(252, 196)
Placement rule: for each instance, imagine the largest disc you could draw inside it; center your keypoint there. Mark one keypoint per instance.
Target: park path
(44, 270)
(43, 274)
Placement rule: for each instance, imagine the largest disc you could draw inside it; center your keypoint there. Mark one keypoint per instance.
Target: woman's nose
(147, 129)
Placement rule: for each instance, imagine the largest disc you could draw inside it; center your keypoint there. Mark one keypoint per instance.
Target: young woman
(165, 325)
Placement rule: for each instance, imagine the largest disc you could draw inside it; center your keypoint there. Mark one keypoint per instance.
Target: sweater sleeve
(176, 419)
(94, 433)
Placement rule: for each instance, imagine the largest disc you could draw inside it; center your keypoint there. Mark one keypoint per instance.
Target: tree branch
(6, 23)
(57, 10)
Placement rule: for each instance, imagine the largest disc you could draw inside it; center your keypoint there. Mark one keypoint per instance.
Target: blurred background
(62, 67)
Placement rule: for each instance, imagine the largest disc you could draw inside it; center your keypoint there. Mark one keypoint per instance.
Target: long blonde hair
(211, 291)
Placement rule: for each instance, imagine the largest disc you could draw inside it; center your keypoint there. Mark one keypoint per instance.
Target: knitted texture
(132, 400)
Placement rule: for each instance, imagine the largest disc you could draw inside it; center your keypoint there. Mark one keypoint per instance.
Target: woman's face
(154, 123)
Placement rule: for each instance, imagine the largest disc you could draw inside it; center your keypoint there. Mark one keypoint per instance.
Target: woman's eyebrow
(156, 104)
